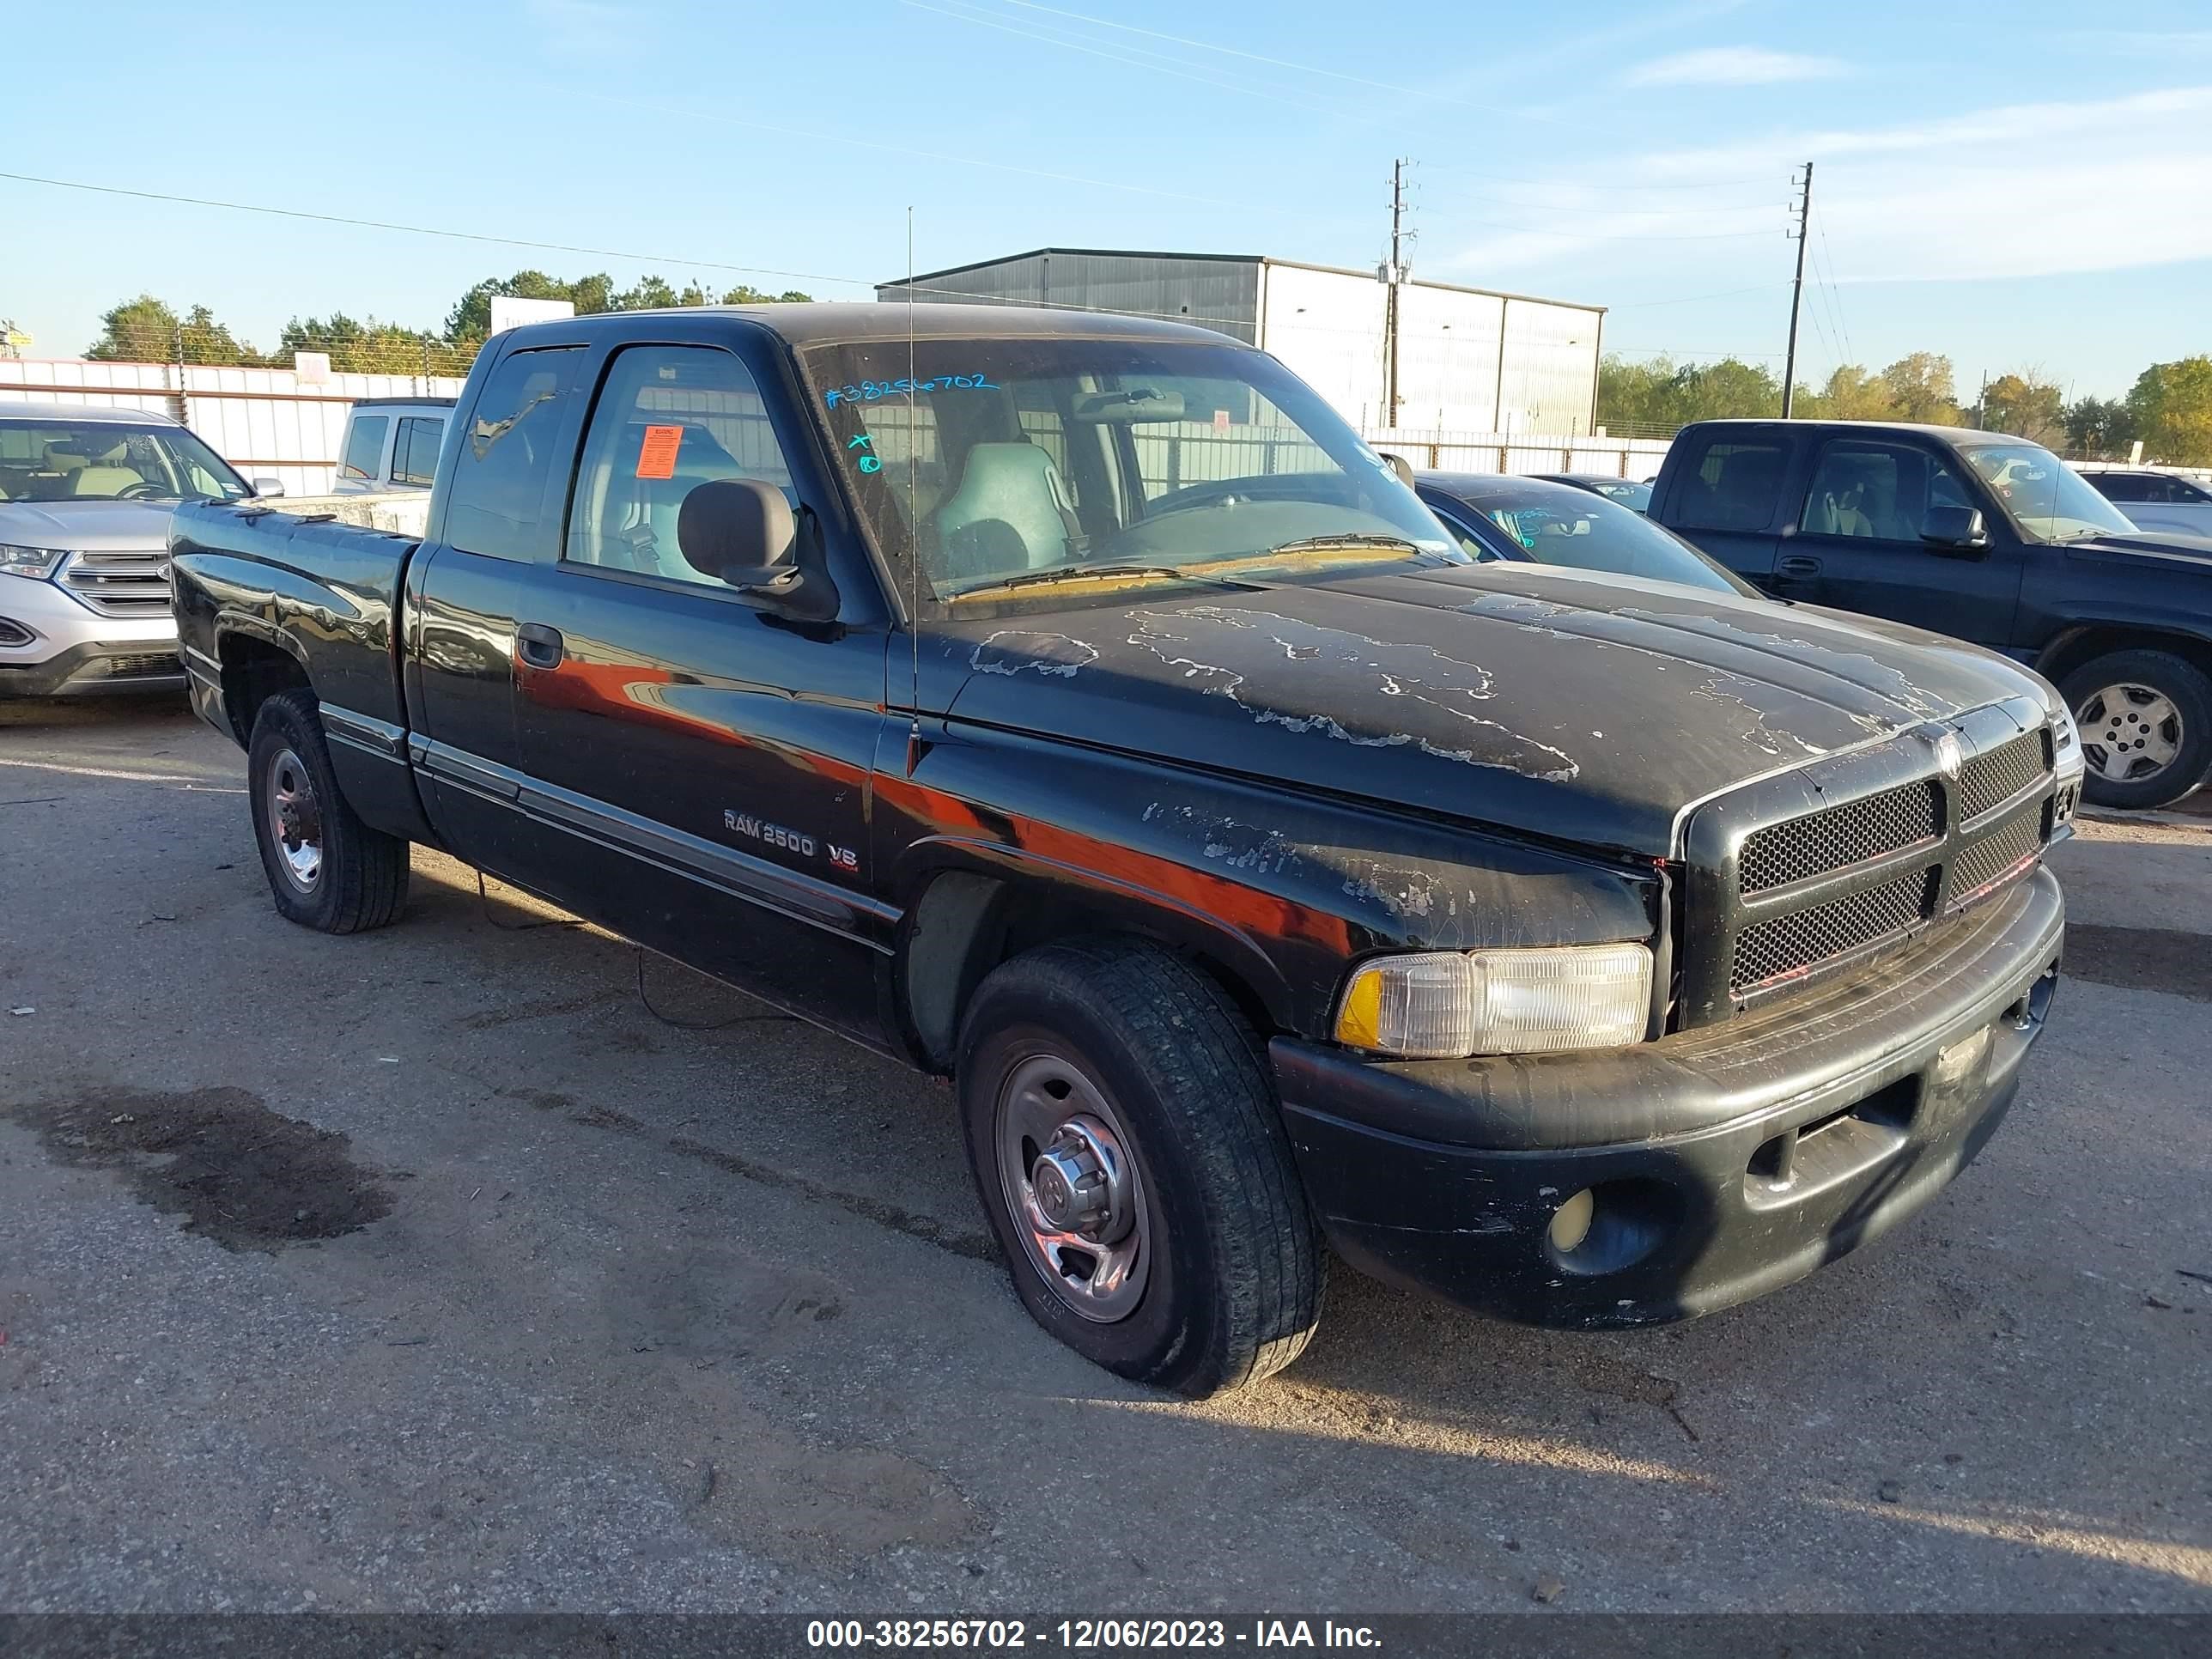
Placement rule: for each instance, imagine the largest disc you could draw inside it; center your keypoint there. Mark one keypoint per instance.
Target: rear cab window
(363, 460)
(415, 451)
(508, 452)
(1735, 484)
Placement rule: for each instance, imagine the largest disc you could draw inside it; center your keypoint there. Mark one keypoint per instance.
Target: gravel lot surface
(429, 1270)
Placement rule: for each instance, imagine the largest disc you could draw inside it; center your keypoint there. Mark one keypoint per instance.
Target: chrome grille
(1838, 836)
(121, 584)
(1783, 945)
(1992, 778)
(1774, 894)
(2003, 852)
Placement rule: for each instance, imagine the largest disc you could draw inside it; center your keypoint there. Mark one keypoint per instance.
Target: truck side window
(669, 419)
(415, 451)
(497, 503)
(1733, 486)
(1879, 491)
(364, 449)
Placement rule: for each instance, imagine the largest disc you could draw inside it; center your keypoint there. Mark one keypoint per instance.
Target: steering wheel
(141, 491)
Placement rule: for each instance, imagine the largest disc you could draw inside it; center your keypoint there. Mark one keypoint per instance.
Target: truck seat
(1010, 513)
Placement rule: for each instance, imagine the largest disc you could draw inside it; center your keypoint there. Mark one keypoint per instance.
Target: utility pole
(1392, 274)
(1798, 293)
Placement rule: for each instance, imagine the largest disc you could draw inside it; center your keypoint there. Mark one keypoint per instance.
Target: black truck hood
(2165, 545)
(1579, 707)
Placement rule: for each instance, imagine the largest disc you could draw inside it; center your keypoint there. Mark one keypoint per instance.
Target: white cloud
(2022, 189)
(1730, 66)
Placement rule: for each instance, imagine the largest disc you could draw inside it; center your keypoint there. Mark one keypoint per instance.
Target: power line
(1686, 299)
(1230, 51)
(1835, 289)
(1164, 65)
(661, 108)
(426, 230)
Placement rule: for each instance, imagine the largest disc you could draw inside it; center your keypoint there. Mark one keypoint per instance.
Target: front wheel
(1127, 1150)
(2146, 724)
(327, 870)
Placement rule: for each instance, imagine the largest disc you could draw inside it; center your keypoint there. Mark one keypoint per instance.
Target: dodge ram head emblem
(1949, 755)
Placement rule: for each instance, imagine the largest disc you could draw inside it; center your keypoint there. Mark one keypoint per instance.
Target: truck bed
(249, 579)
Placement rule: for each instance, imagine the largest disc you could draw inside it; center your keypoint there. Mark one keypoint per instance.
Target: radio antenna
(913, 530)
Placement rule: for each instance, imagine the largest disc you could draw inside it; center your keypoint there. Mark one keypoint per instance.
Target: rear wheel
(1128, 1149)
(2146, 724)
(326, 869)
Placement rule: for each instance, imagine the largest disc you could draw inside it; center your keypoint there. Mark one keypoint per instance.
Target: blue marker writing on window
(869, 392)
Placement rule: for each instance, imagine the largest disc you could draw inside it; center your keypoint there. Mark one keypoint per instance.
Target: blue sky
(2028, 185)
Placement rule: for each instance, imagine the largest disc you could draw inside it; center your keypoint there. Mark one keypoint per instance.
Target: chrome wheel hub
(1073, 1188)
(295, 819)
(2129, 731)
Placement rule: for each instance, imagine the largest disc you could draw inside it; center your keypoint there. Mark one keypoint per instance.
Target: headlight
(36, 562)
(1447, 1004)
(2068, 763)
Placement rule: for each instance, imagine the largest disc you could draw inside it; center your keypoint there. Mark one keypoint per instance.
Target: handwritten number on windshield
(868, 391)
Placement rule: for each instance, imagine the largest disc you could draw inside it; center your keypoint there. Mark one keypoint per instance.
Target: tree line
(150, 330)
(2169, 408)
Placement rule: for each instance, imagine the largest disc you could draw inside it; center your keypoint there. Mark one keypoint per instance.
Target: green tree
(1662, 393)
(375, 348)
(2026, 405)
(2170, 407)
(1921, 389)
(148, 330)
(1852, 393)
(2099, 429)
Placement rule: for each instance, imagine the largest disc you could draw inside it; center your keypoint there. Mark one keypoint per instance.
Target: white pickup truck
(391, 444)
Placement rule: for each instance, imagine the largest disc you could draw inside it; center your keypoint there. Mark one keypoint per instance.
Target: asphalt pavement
(435, 1269)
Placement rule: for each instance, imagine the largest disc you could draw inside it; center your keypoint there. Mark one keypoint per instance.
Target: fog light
(1571, 1222)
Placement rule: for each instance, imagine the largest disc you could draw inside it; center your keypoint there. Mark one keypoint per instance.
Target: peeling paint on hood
(1580, 710)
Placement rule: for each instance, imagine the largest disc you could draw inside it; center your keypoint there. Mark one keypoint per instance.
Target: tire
(1222, 1286)
(356, 878)
(2153, 700)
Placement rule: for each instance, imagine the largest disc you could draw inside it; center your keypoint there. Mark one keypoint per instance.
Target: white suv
(85, 496)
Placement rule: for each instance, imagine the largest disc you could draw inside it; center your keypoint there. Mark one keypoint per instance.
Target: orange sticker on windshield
(656, 456)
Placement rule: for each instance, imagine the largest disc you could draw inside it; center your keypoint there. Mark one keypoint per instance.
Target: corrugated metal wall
(1465, 360)
(261, 421)
(1551, 368)
(1222, 295)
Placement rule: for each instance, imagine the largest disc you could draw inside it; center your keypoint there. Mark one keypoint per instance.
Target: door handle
(538, 646)
(1797, 564)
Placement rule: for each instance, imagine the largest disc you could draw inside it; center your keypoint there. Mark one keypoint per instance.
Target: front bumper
(73, 649)
(1723, 1163)
(98, 665)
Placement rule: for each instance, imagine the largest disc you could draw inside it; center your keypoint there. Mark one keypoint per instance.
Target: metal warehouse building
(1469, 359)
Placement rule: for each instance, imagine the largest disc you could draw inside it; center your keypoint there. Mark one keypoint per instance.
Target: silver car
(85, 495)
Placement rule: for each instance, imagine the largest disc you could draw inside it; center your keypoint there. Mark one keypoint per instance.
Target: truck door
(702, 764)
(1857, 545)
(499, 513)
(1726, 497)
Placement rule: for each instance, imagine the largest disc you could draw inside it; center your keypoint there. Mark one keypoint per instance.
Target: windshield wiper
(1323, 543)
(1069, 572)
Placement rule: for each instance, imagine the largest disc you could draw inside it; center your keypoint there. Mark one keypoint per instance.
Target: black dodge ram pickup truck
(1075, 706)
(1982, 536)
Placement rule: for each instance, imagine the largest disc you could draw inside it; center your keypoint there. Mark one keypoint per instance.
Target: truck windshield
(63, 460)
(2048, 499)
(1011, 461)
